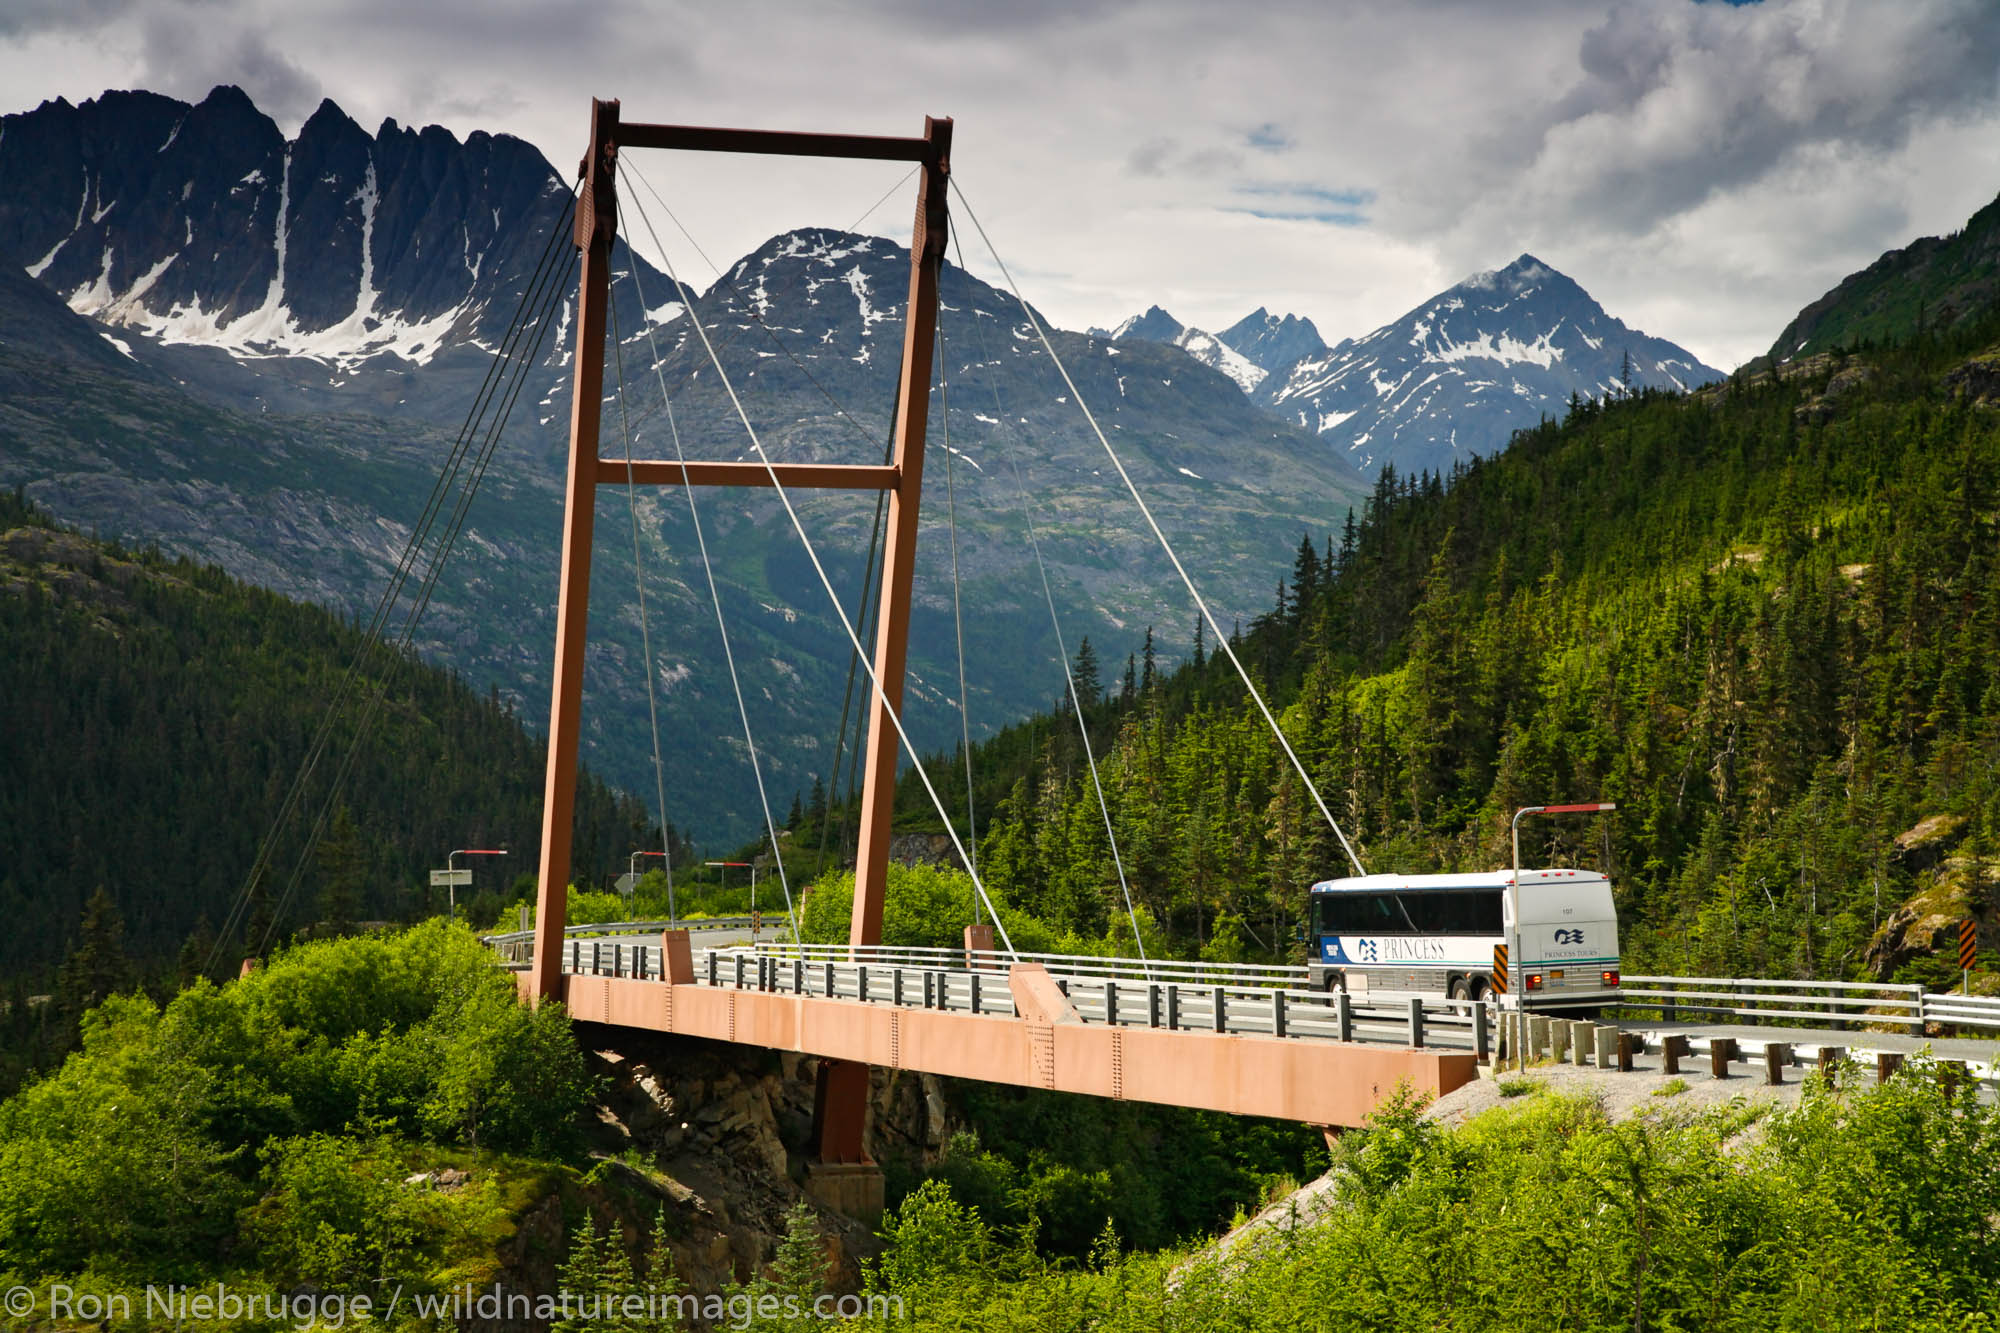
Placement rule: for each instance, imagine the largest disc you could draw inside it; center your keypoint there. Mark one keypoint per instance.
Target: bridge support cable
(707, 569)
(957, 615)
(1201, 604)
(1062, 656)
(491, 385)
(888, 451)
(420, 602)
(639, 587)
(881, 695)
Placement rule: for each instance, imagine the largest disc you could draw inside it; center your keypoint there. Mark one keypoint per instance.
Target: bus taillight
(1534, 981)
(1610, 978)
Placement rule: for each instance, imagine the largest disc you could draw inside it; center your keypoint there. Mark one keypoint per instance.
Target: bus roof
(1478, 879)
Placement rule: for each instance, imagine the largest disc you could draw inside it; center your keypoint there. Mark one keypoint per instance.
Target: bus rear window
(1444, 912)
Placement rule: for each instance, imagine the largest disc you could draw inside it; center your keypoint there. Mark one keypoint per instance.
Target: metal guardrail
(1243, 1002)
(510, 945)
(1241, 998)
(1796, 1003)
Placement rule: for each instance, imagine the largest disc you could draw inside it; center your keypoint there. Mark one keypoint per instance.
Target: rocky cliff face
(202, 225)
(716, 1136)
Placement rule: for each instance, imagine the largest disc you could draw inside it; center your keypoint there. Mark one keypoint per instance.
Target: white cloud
(1704, 169)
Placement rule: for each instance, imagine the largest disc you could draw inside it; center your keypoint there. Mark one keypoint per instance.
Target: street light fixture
(451, 877)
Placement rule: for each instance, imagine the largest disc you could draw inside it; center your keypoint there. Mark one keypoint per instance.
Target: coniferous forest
(153, 713)
(1763, 618)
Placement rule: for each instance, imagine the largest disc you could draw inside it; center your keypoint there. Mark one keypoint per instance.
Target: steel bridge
(1245, 1040)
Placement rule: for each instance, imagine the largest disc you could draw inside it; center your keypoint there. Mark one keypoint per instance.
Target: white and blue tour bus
(1443, 933)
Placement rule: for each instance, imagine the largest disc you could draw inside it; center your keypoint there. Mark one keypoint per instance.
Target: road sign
(1968, 944)
(441, 879)
(625, 883)
(1499, 969)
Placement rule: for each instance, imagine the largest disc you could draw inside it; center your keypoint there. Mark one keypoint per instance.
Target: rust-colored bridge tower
(841, 1097)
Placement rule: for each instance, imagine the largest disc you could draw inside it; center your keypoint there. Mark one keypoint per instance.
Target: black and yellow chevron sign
(1499, 969)
(1968, 944)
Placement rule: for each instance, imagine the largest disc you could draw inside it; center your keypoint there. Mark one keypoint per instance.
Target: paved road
(1805, 1041)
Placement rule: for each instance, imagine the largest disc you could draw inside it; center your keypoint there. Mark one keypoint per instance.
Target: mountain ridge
(1459, 373)
(305, 474)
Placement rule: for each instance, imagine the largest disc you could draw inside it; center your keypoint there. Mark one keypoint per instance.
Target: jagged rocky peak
(1462, 372)
(203, 225)
(1157, 326)
(1273, 343)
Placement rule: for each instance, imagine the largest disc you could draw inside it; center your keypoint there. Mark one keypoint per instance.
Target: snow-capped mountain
(1466, 369)
(1271, 342)
(1157, 326)
(200, 230)
(256, 352)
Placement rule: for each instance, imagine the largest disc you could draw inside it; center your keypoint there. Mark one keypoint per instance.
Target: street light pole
(1514, 880)
(451, 874)
(632, 867)
(751, 865)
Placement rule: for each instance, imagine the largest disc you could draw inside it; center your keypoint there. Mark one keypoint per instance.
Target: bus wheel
(1461, 989)
(1335, 981)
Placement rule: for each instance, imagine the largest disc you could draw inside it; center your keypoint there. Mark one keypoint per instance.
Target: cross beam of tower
(841, 1098)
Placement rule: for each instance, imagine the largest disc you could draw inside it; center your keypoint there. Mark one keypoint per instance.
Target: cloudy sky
(1703, 169)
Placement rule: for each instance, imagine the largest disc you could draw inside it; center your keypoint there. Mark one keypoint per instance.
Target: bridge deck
(1039, 1040)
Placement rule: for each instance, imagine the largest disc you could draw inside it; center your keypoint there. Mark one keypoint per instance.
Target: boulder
(1927, 922)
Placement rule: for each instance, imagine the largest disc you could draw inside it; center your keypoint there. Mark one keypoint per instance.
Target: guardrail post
(972, 983)
(1669, 1008)
(799, 976)
(714, 969)
(1343, 1015)
(1538, 1035)
(1951, 1074)
(1672, 1048)
(1776, 1056)
(829, 981)
(596, 958)
(1559, 1030)
(1416, 1022)
(1277, 1013)
(1626, 1045)
(1721, 1050)
(1917, 1014)
(1152, 1004)
(1110, 1003)
(1607, 1045)
(1829, 1057)
(930, 989)
(896, 987)
(736, 978)
(1173, 1007)
(1887, 1065)
(861, 982)
(1583, 1041)
(1481, 1039)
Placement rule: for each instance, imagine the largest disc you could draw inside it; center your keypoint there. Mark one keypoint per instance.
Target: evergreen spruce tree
(97, 967)
(1147, 670)
(342, 869)
(1089, 686)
